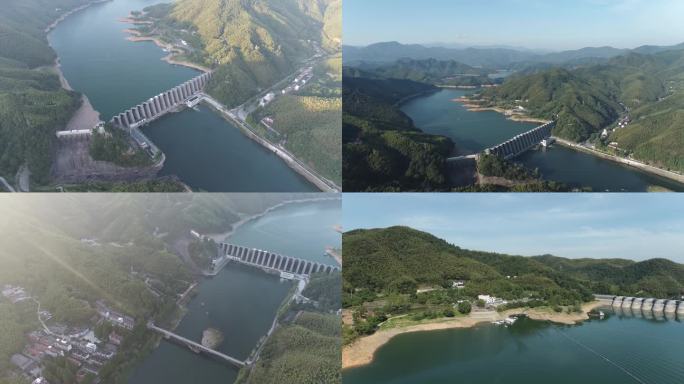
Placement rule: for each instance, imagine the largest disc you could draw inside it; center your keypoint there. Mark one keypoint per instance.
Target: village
(79, 345)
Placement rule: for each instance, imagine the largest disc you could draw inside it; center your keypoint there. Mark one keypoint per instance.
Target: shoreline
(310, 175)
(223, 235)
(649, 169)
(71, 12)
(134, 36)
(471, 106)
(362, 351)
(643, 167)
(294, 163)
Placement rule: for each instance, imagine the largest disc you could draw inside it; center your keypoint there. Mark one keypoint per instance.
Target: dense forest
(400, 275)
(306, 347)
(382, 260)
(308, 122)
(586, 99)
(382, 149)
(253, 44)
(400, 270)
(68, 251)
(33, 104)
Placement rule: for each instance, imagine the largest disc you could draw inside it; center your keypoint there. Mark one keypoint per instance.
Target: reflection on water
(625, 346)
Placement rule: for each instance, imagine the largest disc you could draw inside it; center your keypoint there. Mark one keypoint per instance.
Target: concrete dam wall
(274, 261)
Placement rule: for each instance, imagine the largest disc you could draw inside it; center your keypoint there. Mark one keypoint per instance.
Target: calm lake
(205, 151)
(242, 301)
(475, 131)
(620, 349)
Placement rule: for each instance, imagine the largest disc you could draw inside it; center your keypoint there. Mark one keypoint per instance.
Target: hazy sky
(633, 226)
(538, 24)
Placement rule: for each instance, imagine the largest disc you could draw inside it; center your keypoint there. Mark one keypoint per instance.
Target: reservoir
(242, 301)
(473, 132)
(621, 349)
(201, 148)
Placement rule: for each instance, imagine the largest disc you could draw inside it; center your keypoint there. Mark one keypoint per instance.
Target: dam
(273, 261)
(646, 305)
(159, 105)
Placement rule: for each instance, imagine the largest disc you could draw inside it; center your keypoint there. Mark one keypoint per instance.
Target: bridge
(657, 306)
(517, 145)
(195, 347)
(158, 106)
(273, 261)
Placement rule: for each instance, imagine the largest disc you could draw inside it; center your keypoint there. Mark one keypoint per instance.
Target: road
(238, 115)
(632, 163)
(293, 162)
(240, 363)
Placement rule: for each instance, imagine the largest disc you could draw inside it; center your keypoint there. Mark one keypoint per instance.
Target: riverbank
(171, 58)
(71, 12)
(324, 185)
(629, 162)
(362, 351)
(220, 237)
(471, 105)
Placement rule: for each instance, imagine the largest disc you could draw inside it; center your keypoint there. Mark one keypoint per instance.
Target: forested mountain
(398, 259)
(494, 57)
(431, 71)
(587, 99)
(382, 149)
(68, 251)
(255, 43)
(32, 103)
(392, 51)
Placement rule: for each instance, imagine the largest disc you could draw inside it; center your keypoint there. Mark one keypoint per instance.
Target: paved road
(201, 347)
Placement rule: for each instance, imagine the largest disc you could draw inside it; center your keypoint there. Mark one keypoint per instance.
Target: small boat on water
(510, 320)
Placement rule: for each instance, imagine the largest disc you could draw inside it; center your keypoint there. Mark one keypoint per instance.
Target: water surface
(617, 350)
(242, 301)
(201, 148)
(472, 132)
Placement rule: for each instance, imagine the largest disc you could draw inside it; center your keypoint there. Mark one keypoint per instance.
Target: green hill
(252, 43)
(32, 103)
(399, 259)
(432, 71)
(382, 149)
(588, 99)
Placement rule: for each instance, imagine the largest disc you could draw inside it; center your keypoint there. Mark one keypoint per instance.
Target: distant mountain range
(493, 57)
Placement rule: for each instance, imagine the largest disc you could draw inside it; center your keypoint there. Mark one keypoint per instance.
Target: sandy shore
(362, 351)
(472, 105)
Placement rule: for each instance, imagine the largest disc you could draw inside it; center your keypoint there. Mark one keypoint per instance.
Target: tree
(464, 307)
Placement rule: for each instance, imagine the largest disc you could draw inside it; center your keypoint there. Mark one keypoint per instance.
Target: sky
(630, 226)
(534, 24)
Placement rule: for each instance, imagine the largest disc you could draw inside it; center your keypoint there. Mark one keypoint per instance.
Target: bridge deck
(198, 346)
